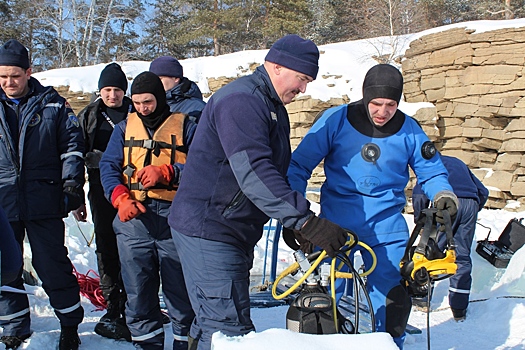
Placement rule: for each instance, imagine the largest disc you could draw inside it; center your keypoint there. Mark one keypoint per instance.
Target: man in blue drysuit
(234, 181)
(41, 181)
(367, 147)
(472, 196)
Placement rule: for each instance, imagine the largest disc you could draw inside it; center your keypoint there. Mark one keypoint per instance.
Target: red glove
(127, 208)
(151, 175)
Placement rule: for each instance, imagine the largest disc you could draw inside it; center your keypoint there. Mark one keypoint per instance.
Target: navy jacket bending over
(463, 182)
(234, 177)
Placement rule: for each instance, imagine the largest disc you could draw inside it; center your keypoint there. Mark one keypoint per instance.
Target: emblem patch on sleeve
(73, 119)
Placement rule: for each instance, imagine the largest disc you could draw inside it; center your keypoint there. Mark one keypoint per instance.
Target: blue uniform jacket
(186, 98)
(113, 161)
(364, 196)
(234, 177)
(49, 153)
(464, 184)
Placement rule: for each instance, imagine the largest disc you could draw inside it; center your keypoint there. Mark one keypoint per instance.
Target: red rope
(90, 288)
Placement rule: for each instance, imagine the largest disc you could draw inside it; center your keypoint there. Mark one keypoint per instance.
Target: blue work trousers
(218, 281)
(463, 228)
(147, 255)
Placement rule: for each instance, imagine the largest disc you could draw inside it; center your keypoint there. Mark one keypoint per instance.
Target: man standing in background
(98, 120)
(182, 94)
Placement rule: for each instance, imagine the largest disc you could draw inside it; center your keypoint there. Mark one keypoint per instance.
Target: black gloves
(92, 159)
(445, 200)
(295, 241)
(73, 197)
(325, 234)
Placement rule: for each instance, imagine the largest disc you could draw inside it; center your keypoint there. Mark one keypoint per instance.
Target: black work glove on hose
(446, 200)
(295, 241)
(325, 234)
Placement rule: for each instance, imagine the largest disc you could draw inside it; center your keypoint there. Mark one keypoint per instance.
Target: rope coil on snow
(90, 288)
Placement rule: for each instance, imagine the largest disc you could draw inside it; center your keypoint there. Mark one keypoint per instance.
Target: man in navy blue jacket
(472, 196)
(234, 181)
(41, 180)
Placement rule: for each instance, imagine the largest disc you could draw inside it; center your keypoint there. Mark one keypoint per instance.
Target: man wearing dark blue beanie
(40, 184)
(241, 150)
(295, 53)
(182, 94)
(12, 53)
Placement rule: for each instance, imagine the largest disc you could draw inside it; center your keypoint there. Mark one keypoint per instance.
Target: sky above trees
(70, 33)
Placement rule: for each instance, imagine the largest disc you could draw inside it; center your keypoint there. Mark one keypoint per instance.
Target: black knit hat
(112, 75)
(295, 53)
(12, 53)
(382, 81)
(148, 82)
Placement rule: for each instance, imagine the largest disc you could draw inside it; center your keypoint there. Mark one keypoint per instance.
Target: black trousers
(103, 214)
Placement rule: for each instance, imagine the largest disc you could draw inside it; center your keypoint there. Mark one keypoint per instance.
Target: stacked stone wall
(476, 82)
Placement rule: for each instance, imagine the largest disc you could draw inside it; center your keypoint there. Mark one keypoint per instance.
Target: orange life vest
(141, 150)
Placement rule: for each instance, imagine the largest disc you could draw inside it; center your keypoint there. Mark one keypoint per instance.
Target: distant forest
(68, 33)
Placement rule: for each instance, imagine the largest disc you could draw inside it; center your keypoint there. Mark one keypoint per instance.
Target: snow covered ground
(495, 320)
(496, 317)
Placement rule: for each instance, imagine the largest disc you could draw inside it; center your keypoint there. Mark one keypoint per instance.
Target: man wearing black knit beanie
(140, 172)
(98, 120)
(368, 147)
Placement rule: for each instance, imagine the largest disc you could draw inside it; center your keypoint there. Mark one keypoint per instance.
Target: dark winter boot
(113, 324)
(13, 341)
(460, 315)
(69, 339)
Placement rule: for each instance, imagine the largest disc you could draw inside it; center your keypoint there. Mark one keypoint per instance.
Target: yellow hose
(292, 268)
(333, 273)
